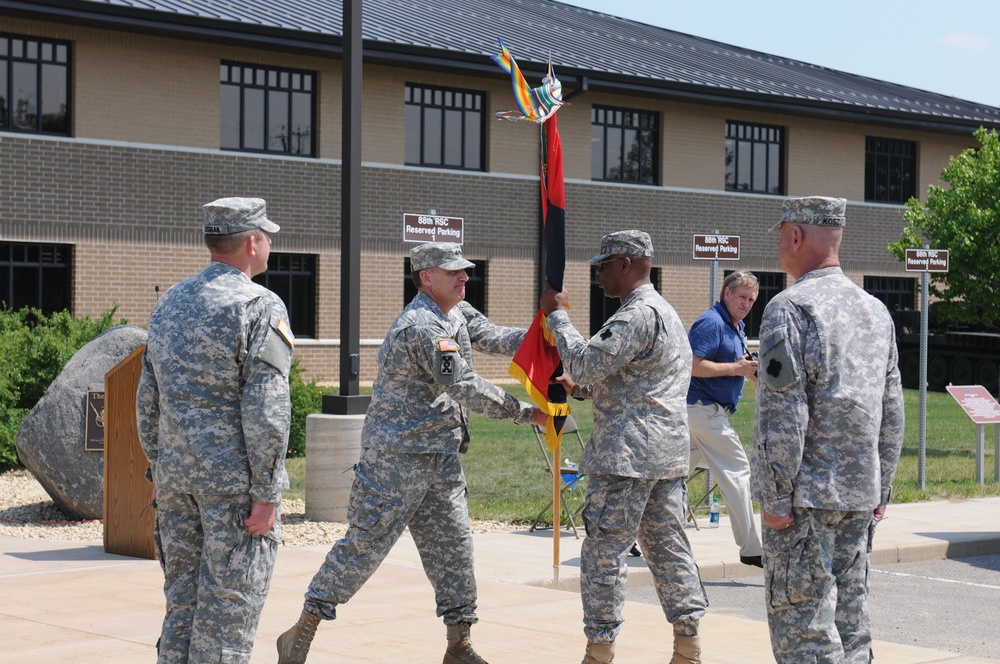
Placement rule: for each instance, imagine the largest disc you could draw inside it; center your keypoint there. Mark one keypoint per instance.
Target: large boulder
(51, 439)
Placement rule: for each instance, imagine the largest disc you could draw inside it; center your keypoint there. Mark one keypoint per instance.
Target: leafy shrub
(307, 398)
(35, 348)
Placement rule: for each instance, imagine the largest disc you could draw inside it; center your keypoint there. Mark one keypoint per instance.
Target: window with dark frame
(896, 293)
(890, 170)
(603, 307)
(292, 277)
(34, 85)
(475, 287)
(36, 275)
(624, 145)
(755, 158)
(770, 284)
(444, 127)
(267, 109)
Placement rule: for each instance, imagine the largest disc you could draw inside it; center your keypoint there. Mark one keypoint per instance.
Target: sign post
(924, 260)
(980, 405)
(714, 248)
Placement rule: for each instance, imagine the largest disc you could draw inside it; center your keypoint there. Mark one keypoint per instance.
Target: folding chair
(705, 502)
(571, 477)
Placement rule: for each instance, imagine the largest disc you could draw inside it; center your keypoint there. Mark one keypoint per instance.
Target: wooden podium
(128, 519)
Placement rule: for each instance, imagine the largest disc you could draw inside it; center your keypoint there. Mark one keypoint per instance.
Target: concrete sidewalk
(72, 602)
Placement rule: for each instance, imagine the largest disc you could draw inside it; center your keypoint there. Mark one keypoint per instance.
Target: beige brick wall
(131, 211)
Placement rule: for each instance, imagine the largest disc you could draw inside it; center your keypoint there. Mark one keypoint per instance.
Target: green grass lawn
(509, 481)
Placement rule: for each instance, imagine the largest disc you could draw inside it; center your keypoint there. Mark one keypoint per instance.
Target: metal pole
(922, 461)
(349, 401)
(713, 288)
(980, 453)
(996, 453)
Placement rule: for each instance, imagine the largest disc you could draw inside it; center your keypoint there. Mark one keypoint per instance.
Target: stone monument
(60, 441)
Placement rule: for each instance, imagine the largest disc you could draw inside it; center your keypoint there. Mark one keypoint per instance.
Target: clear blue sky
(951, 47)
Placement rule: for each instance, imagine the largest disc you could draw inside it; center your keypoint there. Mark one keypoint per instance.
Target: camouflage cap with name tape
(813, 210)
(236, 215)
(624, 243)
(445, 255)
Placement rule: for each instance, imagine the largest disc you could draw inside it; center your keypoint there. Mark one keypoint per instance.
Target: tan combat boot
(687, 649)
(460, 646)
(293, 645)
(599, 653)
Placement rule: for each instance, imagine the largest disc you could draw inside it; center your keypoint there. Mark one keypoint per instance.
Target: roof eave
(177, 26)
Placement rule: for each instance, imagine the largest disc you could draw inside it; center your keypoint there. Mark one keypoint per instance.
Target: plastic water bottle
(713, 514)
(570, 474)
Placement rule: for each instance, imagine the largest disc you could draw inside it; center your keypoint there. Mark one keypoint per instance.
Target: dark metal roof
(588, 48)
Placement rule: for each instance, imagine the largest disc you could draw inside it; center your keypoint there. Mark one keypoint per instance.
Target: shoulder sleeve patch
(285, 331)
(446, 362)
(277, 348)
(610, 337)
(775, 369)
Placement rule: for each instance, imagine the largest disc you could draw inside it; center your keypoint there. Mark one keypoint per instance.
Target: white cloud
(965, 41)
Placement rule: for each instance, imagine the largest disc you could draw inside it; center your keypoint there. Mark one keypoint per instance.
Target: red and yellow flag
(537, 361)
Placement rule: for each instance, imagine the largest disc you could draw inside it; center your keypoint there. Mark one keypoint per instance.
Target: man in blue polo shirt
(719, 367)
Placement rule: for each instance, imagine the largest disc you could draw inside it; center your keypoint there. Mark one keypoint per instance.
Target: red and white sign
(716, 248)
(977, 402)
(433, 228)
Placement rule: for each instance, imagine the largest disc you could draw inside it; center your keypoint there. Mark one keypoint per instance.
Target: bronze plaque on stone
(93, 430)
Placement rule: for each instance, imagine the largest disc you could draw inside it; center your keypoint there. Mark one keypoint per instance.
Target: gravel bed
(26, 511)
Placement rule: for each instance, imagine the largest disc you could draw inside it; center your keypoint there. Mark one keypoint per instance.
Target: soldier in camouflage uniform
(213, 414)
(409, 473)
(636, 369)
(829, 430)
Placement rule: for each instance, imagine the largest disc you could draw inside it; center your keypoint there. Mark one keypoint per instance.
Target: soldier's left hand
(260, 519)
(777, 522)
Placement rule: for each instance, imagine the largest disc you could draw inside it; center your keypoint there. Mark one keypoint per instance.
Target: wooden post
(128, 519)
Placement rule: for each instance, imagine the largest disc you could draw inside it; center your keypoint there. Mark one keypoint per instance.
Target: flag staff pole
(556, 511)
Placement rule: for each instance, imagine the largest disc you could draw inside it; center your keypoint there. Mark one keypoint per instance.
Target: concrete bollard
(333, 446)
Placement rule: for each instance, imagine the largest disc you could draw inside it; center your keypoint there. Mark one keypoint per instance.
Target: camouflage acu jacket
(829, 425)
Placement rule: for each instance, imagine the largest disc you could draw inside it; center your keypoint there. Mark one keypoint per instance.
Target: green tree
(965, 220)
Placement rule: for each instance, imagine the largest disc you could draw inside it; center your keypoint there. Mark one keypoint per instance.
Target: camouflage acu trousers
(391, 491)
(816, 585)
(618, 512)
(216, 577)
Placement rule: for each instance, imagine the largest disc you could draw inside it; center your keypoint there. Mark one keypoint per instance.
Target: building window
(36, 275)
(755, 159)
(292, 277)
(603, 307)
(475, 287)
(623, 145)
(267, 109)
(896, 293)
(890, 170)
(34, 85)
(770, 284)
(444, 127)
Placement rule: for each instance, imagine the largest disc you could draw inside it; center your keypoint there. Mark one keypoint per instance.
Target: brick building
(119, 119)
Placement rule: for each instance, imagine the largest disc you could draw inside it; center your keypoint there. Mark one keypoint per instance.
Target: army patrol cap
(236, 215)
(813, 210)
(445, 255)
(624, 243)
